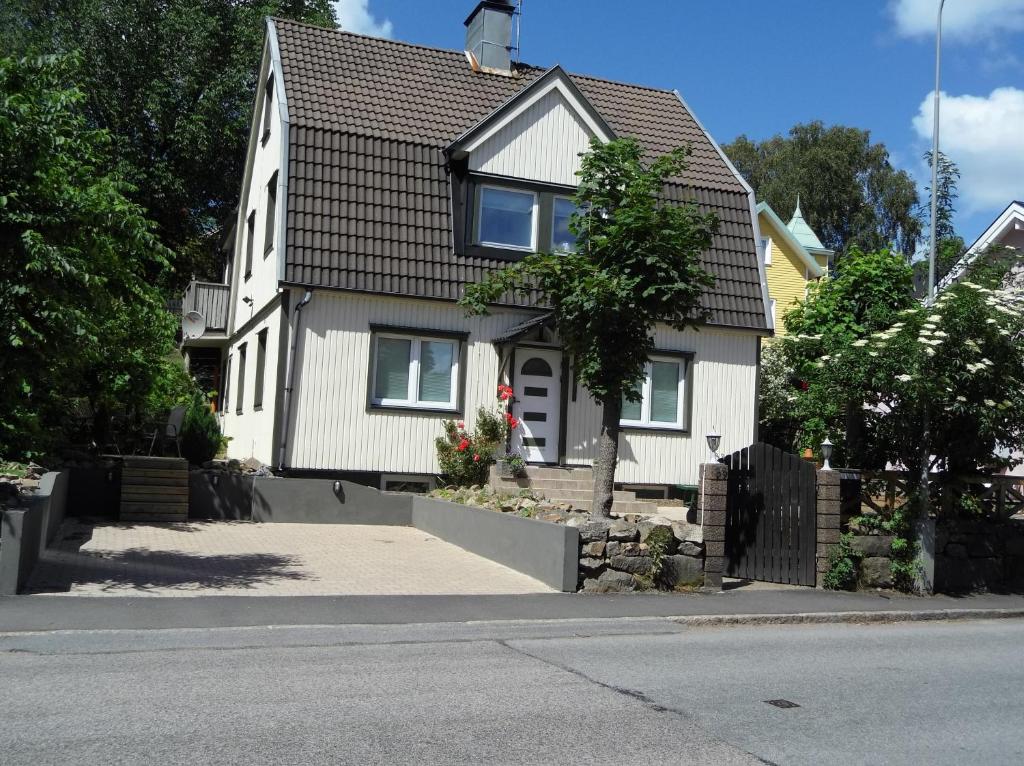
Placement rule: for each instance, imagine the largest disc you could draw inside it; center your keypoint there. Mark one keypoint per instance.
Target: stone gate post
(828, 520)
(712, 486)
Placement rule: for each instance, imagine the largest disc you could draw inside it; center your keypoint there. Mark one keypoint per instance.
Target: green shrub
(659, 542)
(843, 565)
(200, 434)
(466, 457)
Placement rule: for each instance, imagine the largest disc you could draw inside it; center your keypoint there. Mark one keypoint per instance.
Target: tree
(78, 313)
(850, 193)
(173, 82)
(865, 296)
(949, 247)
(938, 387)
(636, 263)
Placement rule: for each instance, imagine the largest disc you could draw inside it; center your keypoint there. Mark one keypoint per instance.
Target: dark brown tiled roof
(368, 198)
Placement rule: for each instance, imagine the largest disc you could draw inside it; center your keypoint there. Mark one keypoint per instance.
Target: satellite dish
(193, 325)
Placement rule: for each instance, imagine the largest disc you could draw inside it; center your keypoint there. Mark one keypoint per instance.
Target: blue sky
(756, 67)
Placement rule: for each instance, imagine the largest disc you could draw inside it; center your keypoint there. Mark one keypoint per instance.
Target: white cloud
(984, 136)
(965, 19)
(355, 16)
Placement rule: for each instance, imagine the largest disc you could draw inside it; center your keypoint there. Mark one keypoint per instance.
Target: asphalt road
(578, 691)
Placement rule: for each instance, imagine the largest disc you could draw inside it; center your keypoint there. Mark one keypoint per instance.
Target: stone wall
(827, 522)
(981, 554)
(621, 555)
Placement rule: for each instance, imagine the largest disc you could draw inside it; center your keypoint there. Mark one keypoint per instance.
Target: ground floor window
(416, 372)
(662, 396)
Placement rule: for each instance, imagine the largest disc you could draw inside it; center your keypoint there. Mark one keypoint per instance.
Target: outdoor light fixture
(337, 487)
(714, 440)
(826, 454)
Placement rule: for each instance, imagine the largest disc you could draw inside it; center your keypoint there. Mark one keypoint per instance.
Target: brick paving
(243, 558)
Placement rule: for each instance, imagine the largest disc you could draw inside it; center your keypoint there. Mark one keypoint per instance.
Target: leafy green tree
(78, 314)
(850, 193)
(865, 296)
(930, 388)
(778, 423)
(949, 245)
(173, 82)
(201, 439)
(636, 263)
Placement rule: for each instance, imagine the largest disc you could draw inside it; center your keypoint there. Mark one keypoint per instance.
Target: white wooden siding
(262, 284)
(252, 432)
(332, 427)
(541, 144)
(724, 377)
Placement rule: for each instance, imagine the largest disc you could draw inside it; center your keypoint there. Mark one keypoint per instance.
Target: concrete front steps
(570, 485)
(154, 489)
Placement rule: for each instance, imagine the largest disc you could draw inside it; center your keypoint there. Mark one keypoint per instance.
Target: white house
(381, 178)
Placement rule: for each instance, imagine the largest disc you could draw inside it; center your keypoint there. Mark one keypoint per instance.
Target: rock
(251, 464)
(956, 551)
(632, 518)
(34, 471)
(577, 520)
(623, 530)
(592, 565)
(685, 532)
(645, 528)
(690, 549)
(682, 570)
(640, 565)
(872, 545)
(594, 549)
(611, 581)
(876, 572)
(594, 531)
(631, 549)
(563, 507)
(613, 549)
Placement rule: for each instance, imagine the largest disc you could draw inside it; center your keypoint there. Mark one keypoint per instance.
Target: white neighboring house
(1007, 230)
(381, 178)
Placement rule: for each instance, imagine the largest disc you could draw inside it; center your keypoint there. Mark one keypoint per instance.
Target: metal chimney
(489, 36)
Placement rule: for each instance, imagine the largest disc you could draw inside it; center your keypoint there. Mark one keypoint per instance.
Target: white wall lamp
(714, 441)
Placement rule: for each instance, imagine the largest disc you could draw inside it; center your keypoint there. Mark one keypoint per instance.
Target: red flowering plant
(466, 456)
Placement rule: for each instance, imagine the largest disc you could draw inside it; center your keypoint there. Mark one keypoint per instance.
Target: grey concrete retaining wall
(94, 491)
(219, 495)
(50, 500)
(314, 501)
(21, 535)
(547, 552)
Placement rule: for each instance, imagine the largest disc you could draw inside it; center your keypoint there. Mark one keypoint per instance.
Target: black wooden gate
(770, 529)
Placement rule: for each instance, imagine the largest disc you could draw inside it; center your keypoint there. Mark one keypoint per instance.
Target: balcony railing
(209, 299)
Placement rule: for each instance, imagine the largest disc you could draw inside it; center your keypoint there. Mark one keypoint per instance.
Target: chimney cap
(507, 6)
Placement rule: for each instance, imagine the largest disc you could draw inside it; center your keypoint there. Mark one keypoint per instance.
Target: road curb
(857, 618)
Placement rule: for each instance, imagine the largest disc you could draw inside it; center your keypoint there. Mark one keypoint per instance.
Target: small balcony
(209, 299)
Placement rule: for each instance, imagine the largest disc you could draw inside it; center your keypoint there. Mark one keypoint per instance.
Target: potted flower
(511, 465)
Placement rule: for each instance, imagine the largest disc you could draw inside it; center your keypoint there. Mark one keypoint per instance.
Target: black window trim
(250, 234)
(268, 100)
(261, 364)
(240, 383)
(270, 216)
(543, 226)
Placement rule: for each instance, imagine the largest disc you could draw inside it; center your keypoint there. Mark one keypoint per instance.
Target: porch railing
(209, 299)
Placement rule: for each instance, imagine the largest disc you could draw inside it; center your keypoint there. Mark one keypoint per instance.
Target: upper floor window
(250, 235)
(268, 101)
(507, 218)
(270, 213)
(766, 248)
(562, 239)
(239, 395)
(662, 396)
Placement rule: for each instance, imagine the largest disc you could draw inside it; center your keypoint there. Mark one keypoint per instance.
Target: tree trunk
(607, 458)
(923, 489)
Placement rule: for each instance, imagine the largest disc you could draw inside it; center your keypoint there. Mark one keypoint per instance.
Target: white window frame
(534, 222)
(554, 198)
(775, 321)
(645, 421)
(766, 243)
(412, 400)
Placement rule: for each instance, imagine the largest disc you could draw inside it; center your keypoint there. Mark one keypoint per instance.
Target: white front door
(537, 386)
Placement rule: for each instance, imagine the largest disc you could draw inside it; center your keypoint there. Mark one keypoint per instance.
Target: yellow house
(793, 257)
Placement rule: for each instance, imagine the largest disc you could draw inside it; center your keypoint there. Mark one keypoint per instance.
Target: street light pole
(935, 158)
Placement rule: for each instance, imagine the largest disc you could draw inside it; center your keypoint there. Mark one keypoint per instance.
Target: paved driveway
(243, 558)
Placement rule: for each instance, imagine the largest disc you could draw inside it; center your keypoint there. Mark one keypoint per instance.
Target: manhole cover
(782, 703)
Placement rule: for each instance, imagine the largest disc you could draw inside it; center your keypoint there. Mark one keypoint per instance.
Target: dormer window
(562, 240)
(507, 218)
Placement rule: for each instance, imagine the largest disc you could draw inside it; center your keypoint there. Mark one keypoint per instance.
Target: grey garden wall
(314, 501)
(21, 530)
(545, 551)
(51, 501)
(219, 495)
(94, 491)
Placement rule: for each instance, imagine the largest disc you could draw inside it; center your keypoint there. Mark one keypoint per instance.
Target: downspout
(287, 408)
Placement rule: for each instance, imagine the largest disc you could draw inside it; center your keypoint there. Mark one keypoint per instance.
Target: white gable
(541, 143)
